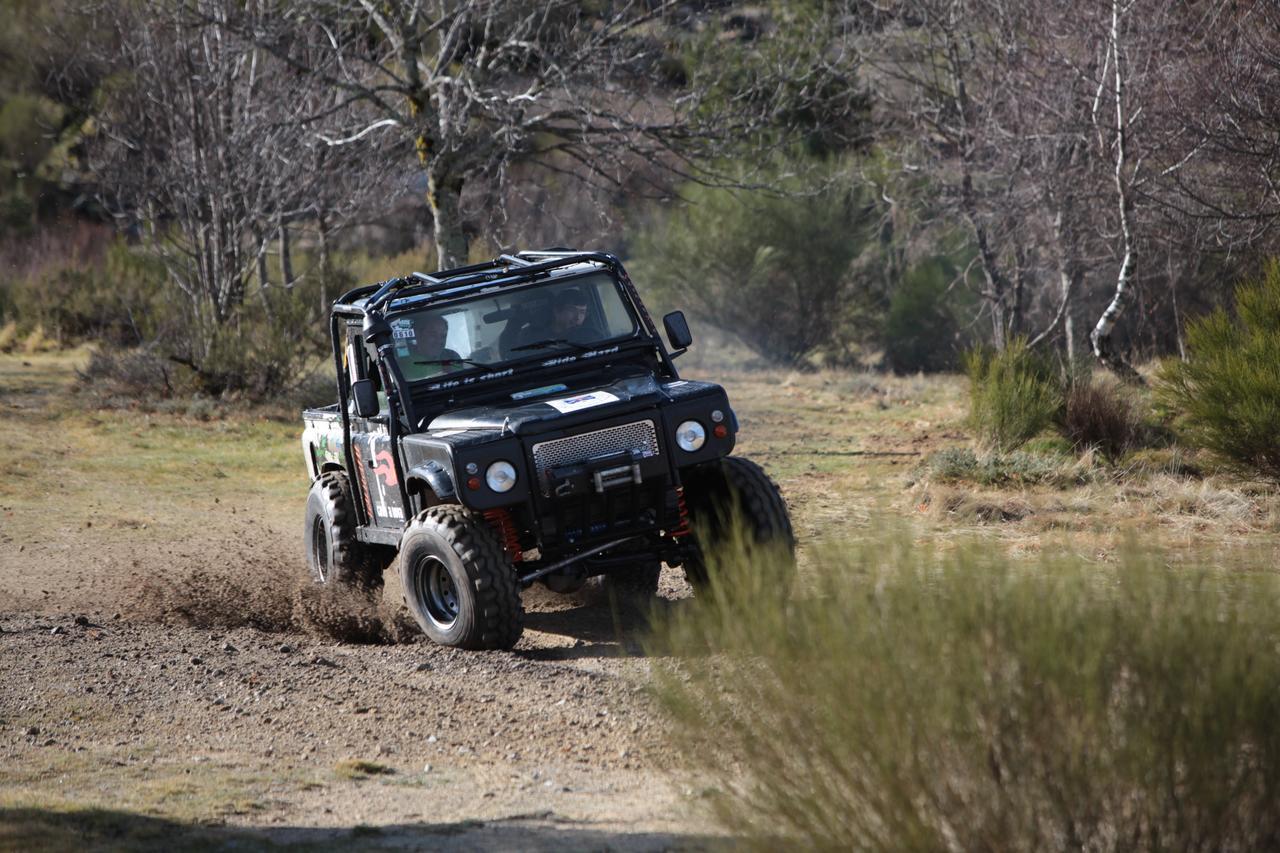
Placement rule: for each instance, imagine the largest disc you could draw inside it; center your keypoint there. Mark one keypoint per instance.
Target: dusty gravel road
(168, 678)
(110, 698)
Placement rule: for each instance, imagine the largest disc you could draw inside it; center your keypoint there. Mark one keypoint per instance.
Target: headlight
(501, 476)
(690, 436)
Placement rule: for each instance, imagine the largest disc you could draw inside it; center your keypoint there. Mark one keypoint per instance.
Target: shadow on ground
(599, 631)
(36, 829)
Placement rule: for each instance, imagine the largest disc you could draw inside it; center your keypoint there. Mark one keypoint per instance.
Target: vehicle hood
(561, 408)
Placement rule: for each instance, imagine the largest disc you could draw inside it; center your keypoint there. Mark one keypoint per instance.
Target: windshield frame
(547, 357)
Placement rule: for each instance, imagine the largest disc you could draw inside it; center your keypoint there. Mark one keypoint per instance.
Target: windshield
(566, 316)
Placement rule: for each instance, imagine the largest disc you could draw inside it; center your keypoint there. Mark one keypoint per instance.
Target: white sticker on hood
(582, 401)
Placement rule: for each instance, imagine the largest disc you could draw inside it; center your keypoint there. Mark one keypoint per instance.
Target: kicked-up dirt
(172, 716)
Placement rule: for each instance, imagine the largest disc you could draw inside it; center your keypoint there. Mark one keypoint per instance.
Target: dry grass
(141, 781)
(357, 769)
(928, 698)
(842, 445)
(8, 336)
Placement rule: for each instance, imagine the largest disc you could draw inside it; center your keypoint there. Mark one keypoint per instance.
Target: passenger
(428, 345)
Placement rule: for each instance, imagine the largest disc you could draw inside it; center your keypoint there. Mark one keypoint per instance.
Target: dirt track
(166, 674)
(129, 670)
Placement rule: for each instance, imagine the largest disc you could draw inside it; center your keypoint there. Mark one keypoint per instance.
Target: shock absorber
(500, 520)
(683, 528)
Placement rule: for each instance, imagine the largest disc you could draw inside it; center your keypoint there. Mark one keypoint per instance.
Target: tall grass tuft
(928, 700)
(1014, 394)
(1227, 392)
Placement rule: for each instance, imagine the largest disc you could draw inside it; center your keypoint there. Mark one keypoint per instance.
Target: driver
(427, 344)
(569, 316)
(568, 323)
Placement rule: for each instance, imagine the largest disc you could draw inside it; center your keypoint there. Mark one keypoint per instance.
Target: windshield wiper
(443, 361)
(551, 342)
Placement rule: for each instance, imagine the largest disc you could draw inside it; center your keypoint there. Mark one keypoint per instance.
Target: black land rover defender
(519, 421)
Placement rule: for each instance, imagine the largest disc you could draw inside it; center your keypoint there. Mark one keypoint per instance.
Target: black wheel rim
(320, 549)
(433, 587)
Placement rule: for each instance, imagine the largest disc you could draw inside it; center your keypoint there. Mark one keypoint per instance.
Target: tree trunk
(322, 227)
(444, 197)
(1103, 346)
(264, 281)
(1069, 334)
(1069, 275)
(286, 256)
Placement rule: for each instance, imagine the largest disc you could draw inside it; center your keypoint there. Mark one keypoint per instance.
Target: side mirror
(677, 331)
(365, 398)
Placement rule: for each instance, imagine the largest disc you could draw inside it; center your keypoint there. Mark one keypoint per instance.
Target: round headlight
(690, 436)
(501, 476)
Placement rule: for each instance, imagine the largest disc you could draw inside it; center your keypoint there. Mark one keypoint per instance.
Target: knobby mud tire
(482, 583)
(334, 555)
(631, 590)
(738, 489)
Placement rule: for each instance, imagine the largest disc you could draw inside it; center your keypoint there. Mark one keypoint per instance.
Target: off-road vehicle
(518, 421)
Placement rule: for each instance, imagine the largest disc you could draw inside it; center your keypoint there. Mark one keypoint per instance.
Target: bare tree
(945, 74)
(208, 152)
(1116, 137)
(1088, 147)
(476, 86)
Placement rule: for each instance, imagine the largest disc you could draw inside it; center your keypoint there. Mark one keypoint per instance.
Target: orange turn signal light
(720, 430)
(473, 483)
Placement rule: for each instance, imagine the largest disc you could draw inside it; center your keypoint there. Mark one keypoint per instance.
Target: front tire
(458, 583)
(737, 490)
(335, 557)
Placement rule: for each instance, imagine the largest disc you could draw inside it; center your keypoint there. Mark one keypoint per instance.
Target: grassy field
(116, 476)
(846, 448)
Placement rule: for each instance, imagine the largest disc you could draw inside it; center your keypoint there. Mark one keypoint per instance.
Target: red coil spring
(683, 529)
(500, 520)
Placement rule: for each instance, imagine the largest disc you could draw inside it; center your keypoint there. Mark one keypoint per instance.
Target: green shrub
(1174, 461)
(951, 700)
(268, 353)
(132, 374)
(922, 332)
(81, 283)
(1104, 416)
(1226, 395)
(17, 213)
(793, 272)
(1013, 395)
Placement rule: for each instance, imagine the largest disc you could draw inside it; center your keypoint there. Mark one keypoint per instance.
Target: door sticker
(384, 468)
(582, 401)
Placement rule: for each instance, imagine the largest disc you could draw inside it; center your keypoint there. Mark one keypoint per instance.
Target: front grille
(639, 436)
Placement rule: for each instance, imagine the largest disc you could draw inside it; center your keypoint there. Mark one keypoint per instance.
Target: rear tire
(632, 590)
(458, 583)
(737, 489)
(335, 557)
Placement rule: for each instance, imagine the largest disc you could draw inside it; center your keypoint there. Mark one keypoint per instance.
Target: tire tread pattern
(499, 614)
(761, 501)
(756, 498)
(355, 562)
